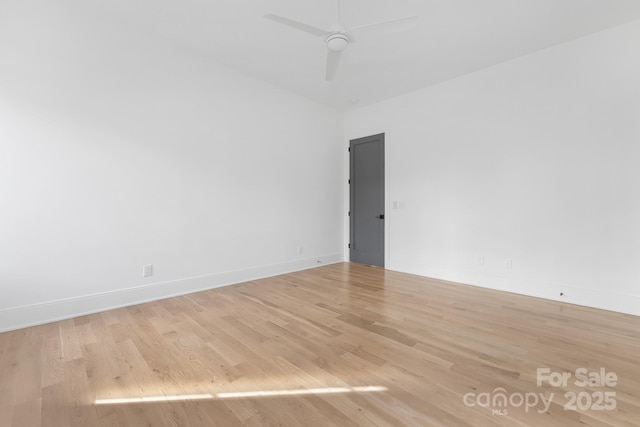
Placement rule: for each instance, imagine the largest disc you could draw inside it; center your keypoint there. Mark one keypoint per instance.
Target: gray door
(367, 200)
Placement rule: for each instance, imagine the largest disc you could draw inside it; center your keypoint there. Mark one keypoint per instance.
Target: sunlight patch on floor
(243, 394)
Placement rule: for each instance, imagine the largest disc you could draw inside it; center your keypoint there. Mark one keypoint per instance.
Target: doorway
(366, 195)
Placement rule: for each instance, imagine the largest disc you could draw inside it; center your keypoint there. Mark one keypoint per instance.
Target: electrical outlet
(481, 261)
(300, 250)
(509, 264)
(147, 270)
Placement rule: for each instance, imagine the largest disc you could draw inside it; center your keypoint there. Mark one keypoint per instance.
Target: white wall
(531, 166)
(118, 151)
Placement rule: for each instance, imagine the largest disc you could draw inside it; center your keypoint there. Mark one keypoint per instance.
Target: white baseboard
(36, 314)
(600, 299)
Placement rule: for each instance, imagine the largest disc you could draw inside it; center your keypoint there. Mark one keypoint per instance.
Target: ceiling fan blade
(297, 25)
(406, 22)
(333, 59)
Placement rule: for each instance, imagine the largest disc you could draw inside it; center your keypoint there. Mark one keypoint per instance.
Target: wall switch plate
(147, 270)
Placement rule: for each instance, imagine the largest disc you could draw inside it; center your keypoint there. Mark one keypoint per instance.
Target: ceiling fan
(338, 37)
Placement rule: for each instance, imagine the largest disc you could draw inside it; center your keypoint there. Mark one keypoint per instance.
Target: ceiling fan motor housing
(337, 42)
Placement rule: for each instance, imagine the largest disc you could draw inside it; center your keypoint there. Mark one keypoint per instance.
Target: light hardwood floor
(344, 344)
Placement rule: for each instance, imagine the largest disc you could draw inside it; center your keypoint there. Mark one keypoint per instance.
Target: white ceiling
(451, 38)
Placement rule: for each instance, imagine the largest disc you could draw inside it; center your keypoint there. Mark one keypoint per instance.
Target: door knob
(381, 216)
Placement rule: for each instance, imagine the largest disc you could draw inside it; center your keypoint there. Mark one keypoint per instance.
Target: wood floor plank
(341, 345)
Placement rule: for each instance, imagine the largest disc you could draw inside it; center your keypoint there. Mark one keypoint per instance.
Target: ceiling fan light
(337, 42)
